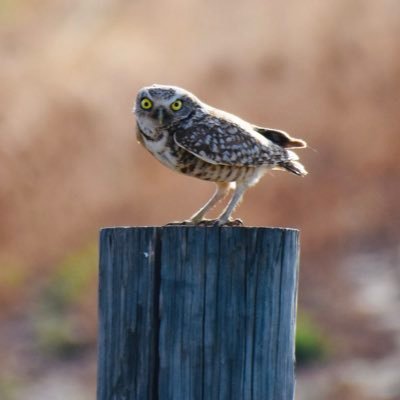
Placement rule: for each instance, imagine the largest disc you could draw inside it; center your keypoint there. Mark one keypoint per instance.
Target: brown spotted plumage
(198, 140)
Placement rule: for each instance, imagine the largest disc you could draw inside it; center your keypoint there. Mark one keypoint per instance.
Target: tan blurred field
(328, 72)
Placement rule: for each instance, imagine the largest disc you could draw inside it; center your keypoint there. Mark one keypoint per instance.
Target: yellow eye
(146, 104)
(176, 105)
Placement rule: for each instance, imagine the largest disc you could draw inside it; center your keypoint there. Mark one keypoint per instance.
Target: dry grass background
(328, 72)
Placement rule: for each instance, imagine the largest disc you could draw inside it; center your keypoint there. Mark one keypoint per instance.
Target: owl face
(159, 106)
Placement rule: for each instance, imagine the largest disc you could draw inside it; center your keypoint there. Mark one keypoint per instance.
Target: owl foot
(234, 222)
(231, 222)
(204, 222)
(207, 222)
(180, 223)
(217, 222)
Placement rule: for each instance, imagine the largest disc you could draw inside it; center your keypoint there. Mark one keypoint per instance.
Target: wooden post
(197, 313)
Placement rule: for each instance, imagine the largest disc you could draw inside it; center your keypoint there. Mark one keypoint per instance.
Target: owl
(198, 140)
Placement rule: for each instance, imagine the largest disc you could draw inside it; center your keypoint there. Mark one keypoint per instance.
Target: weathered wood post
(197, 313)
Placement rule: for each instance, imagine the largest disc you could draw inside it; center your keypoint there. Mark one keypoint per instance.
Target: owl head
(159, 106)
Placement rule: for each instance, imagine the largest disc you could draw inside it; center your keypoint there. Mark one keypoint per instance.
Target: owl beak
(160, 115)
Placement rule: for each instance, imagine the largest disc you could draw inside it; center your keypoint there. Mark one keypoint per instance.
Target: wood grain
(197, 313)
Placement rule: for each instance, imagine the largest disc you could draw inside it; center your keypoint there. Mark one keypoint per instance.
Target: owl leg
(235, 200)
(222, 190)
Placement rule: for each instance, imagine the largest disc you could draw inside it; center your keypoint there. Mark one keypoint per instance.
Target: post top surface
(215, 228)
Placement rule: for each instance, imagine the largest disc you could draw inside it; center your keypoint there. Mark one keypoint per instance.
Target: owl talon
(231, 222)
(217, 222)
(180, 223)
(235, 222)
(207, 222)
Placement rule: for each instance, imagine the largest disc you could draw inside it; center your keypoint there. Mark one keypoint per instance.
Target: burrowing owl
(198, 140)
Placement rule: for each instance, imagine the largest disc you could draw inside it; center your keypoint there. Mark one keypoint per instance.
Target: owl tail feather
(295, 167)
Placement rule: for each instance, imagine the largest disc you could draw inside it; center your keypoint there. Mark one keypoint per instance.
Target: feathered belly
(214, 172)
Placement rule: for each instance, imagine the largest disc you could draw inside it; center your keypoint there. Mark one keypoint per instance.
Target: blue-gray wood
(197, 313)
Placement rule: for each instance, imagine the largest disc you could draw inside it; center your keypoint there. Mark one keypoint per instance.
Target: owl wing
(281, 138)
(221, 142)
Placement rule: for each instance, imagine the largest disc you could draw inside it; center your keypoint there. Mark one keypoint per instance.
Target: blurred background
(327, 72)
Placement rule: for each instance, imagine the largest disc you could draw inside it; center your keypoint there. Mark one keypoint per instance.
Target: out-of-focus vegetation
(328, 72)
(60, 319)
(311, 344)
(8, 386)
